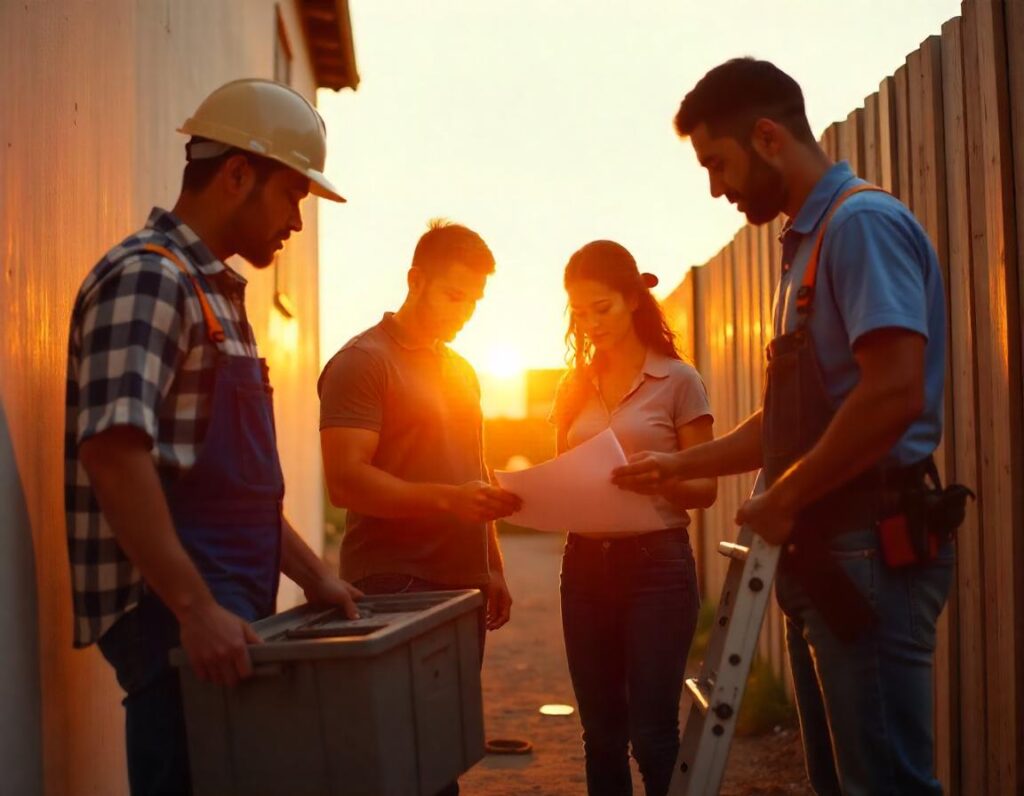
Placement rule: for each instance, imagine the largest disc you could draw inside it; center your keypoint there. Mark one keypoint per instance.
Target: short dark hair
(444, 242)
(199, 173)
(733, 96)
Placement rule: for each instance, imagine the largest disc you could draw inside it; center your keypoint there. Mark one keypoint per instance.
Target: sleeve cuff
(689, 419)
(887, 320)
(121, 412)
(350, 422)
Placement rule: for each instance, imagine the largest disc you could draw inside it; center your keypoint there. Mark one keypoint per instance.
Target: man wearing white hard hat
(173, 484)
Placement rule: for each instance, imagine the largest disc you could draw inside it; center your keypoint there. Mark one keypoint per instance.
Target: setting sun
(501, 368)
(502, 361)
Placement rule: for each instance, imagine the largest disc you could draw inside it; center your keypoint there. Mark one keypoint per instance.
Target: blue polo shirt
(877, 270)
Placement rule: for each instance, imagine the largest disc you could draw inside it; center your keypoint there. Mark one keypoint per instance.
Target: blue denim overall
(227, 513)
(860, 635)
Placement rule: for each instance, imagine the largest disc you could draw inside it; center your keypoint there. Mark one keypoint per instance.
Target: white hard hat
(268, 119)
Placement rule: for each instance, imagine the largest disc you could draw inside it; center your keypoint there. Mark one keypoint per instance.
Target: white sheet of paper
(574, 492)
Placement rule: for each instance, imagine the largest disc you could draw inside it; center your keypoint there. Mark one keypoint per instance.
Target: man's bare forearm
(369, 490)
(298, 561)
(865, 428)
(697, 493)
(128, 488)
(739, 451)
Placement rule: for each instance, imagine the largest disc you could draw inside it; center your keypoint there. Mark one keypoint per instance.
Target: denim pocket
(861, 566)
(256, 439)
(670, 550)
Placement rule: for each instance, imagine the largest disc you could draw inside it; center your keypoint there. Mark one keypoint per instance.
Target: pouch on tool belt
(927, 517)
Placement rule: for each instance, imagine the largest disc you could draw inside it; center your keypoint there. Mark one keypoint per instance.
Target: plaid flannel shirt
(139, 356)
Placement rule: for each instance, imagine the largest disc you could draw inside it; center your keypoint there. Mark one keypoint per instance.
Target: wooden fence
(946, 135)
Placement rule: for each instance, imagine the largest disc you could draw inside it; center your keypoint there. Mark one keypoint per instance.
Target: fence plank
(888, 174)
(851, 140)
(678, 309)
(901, 113)
(1015, 54)
(928, 194)
(701, 360)
(999, 388)
(872, 168)
(932, 167)
(830, 141)
(967, 773)
(914, 197)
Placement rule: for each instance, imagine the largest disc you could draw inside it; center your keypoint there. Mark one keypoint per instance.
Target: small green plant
(699, 645)
(765, 705)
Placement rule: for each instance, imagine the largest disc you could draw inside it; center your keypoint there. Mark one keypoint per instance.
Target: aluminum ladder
(718, 690)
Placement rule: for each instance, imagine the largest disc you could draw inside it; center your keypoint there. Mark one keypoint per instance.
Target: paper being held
(574, 492)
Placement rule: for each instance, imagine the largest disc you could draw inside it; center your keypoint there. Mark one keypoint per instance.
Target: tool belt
(912, 517)
(917, 516)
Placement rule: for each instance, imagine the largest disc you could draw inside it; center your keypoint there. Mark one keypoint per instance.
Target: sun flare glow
(503, 361)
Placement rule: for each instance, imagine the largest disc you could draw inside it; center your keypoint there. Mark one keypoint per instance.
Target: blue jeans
(137, 647)
(629, 610)
(866, 707)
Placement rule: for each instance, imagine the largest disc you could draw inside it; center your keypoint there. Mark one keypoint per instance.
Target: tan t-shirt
(666, 395)
(424, 402)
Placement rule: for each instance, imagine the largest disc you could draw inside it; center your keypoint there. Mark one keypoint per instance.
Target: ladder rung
(700, 699)
(734, 551)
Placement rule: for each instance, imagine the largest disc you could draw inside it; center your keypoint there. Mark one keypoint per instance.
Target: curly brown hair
(612, 265)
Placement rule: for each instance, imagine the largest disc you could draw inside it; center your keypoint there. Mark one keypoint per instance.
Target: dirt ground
(524, 668)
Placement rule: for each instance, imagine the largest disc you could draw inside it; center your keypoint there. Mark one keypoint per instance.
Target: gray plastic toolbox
(385, 705)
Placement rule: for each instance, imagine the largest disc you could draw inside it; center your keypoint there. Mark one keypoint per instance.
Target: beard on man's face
(764, 192)
(254, 242)
(257, 250)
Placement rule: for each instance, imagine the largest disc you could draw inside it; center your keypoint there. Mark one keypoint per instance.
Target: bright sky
(546, 125)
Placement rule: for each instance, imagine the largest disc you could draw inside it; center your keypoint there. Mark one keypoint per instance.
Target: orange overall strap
(805, 295)
(213, 326)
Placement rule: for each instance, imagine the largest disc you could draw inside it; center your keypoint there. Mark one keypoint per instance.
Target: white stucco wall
(92, 93)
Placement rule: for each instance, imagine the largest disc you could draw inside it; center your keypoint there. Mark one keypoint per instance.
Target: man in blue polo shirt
(851, 415)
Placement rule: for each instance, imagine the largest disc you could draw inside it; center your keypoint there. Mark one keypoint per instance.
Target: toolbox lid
(311, 632)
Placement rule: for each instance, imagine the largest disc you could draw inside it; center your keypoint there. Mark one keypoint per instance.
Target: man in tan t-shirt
(401, 432)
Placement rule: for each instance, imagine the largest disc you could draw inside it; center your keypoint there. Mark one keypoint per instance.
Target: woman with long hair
(629, 601)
